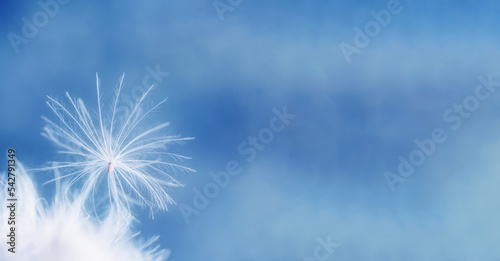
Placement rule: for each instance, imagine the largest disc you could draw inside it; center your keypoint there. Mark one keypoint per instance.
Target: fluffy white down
(62, 231)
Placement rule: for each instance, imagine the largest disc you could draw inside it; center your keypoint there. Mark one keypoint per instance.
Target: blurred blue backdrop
(323, 175)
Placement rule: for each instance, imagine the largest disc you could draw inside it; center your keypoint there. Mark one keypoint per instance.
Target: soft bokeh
(323, 174)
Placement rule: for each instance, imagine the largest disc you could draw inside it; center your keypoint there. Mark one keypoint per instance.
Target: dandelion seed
(137, 162)
(111, 167)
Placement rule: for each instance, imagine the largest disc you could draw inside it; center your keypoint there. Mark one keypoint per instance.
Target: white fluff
(62, 231)
(112, 161)
(113, 151)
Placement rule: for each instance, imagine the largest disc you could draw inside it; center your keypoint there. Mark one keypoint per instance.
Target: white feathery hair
(113, 153)
(63, 231)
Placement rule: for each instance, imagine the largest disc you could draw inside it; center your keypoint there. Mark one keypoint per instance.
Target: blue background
(324, 174)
